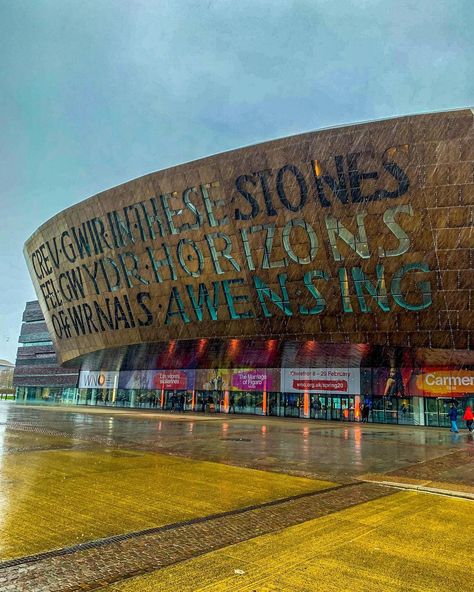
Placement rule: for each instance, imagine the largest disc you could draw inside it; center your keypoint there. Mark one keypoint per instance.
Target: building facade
(38, 377)
(6, 379)
(307, 276)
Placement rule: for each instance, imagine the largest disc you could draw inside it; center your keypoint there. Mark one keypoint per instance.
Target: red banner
(170, 379)
(321, 385)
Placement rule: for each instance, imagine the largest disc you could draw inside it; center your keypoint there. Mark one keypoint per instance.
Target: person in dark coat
(365, 413)
(453, 416)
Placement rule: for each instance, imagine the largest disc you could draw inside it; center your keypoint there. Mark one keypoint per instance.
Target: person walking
(231, 404)
(453, 416)
(468, 417)
(365, 413)
(210, 406)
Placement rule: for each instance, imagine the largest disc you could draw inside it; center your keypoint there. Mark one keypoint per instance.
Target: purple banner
(251, 380)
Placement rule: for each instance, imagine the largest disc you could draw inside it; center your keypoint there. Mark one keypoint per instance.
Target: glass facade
(428, 411)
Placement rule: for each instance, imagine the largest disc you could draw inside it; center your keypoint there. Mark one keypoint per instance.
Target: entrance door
(291, 403)
(436, 411)
(320, 407)
(244, 402)
(272, 404)
(342, 408)
(188, 403)
(336, 408)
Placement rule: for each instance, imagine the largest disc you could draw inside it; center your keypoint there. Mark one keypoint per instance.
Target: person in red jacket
(468, 417)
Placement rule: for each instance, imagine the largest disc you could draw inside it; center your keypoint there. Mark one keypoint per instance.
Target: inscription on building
(344, 234)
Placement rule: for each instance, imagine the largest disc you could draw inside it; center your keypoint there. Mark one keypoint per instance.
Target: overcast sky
(96, 92)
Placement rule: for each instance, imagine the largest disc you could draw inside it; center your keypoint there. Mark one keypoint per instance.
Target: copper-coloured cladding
(355, 234)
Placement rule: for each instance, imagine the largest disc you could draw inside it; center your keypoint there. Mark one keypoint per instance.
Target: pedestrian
(365, 413)
(210, 407)
(453, 416)
(181, 402)
(468, 417)
(231, 404)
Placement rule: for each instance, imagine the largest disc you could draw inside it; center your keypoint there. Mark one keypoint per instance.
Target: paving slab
(408, 542)
(112, 559)
(93, 496)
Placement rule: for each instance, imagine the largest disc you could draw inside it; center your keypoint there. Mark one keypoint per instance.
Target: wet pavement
(405, 542)
(309, 447)
(90, 496)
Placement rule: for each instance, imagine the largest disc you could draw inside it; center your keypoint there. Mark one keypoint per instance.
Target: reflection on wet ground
(320, 449)
(55, 492)
(75, 476)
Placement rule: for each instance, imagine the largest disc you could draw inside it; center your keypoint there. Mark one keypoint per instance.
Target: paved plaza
(113, 500)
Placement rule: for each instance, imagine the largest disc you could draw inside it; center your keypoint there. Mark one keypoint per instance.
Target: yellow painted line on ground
(443, 487)
(377, 477)
(460, 487)
(426, 489)
(407, 542)
(56, 498)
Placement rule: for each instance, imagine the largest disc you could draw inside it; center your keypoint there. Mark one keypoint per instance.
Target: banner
(417, 382)
(448, 383)
(157, 379)
(390, 382)
(321, 380)
(254, 380)
(211, 379)
(98, 380)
